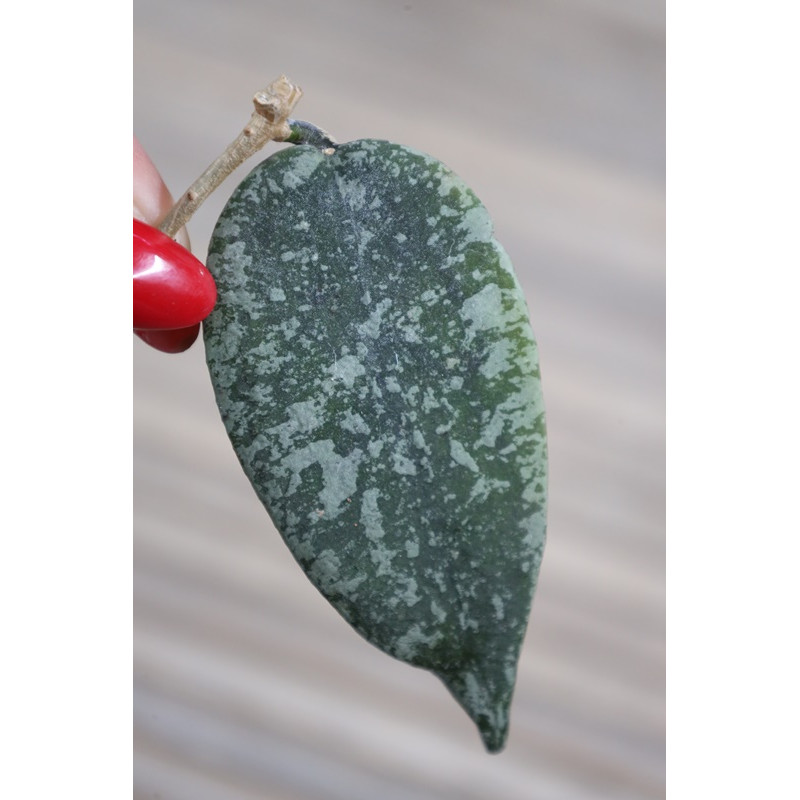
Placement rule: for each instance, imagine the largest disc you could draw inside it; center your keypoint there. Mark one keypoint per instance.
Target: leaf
(377, 375)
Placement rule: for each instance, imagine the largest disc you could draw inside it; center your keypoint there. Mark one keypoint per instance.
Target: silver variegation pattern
(375, 369)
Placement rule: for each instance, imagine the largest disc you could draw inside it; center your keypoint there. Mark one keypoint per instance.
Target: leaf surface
(376, 371)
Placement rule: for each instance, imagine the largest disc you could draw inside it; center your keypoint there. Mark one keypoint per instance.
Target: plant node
(269, 122)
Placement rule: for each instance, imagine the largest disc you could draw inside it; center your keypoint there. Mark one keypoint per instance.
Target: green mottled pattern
(376, 371)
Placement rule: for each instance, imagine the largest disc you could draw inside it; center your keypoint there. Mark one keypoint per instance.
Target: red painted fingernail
(171, 288)
(172, 341)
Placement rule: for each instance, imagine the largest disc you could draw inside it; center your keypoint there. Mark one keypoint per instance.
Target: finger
(151, 198)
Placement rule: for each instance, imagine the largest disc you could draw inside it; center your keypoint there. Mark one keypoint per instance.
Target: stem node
(273, 106)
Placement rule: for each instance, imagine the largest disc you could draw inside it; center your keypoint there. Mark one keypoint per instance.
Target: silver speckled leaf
(376, 371)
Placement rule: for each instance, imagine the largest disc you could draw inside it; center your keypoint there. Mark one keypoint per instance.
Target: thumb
(151, 198)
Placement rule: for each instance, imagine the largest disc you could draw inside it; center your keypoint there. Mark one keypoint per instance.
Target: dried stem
(269, 122)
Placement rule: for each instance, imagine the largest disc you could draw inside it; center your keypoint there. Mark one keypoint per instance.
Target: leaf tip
(486, 697)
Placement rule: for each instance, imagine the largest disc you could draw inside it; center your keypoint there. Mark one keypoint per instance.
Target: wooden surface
(247, 684)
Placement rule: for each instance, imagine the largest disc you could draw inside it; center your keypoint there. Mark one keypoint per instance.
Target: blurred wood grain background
(247, 685)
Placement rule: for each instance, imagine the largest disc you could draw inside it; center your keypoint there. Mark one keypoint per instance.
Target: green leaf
(376, 371)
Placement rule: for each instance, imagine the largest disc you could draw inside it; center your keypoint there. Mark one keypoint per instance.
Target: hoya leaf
(376, 371)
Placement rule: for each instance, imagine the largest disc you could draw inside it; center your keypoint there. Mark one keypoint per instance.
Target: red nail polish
(171, 289)
(173, 341)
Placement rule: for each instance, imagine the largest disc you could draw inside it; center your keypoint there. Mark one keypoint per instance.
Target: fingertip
(151, 197)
